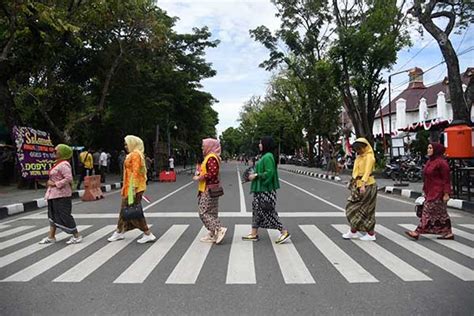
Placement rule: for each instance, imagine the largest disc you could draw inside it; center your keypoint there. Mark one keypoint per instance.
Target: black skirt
(59, 214)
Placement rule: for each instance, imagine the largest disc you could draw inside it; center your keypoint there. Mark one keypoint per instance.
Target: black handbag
(134, 211)
(215, 190)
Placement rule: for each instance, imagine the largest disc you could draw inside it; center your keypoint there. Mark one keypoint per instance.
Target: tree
(369, 35)
(459, 14)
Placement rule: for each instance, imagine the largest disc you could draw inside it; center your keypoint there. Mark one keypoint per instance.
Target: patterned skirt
(208, 209)
(264, 214)
(434, 219)
(124, 225)
(360, 210)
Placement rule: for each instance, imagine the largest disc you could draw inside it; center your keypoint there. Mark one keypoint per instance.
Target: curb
(35, 204)
(453, 203)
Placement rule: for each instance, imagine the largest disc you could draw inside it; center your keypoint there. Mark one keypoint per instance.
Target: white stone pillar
(401, 113)
(422, 110)
(441, 107)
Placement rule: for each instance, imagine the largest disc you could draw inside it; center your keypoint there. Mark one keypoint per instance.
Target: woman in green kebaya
(265, 182)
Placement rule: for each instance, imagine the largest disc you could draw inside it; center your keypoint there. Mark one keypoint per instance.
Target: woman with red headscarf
(436, 188)
(208, 175)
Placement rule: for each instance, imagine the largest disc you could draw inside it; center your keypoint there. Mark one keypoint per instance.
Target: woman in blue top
(264, 185)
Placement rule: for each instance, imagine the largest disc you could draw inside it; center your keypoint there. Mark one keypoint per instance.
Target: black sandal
(446, 237)
(412, 235)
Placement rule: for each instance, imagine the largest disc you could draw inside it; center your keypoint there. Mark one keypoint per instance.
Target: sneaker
(351, 235)
(146, 238)
(283, 237)
(208, 238)
(116, 236)
(368, 237)
(74, 240)
(250, 237)
(47, 240)
(220, 234)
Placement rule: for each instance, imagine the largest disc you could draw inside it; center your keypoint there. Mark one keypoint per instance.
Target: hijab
(64, 152)
(438, 151)
(267, 144)
(211, 145)
(135, 144)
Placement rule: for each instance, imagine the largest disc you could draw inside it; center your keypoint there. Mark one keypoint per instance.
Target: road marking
(444, 263)
(315, 196)
(188, 268)
(402, 269)
(470, 226)
(291, 264)
(241, 267)
(452, 244)
(243, 207)
(166, 196)
(87, 266)
(14, 231)
(463, 234)
(22, 238)
(31, 249)
(349, 268)
(144, 265)
(2, 226)
(59, 256)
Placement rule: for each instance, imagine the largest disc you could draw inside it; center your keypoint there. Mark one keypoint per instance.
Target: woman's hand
(362, 189)
(252, 176)
(446, 197)
(50, 183)
(196, 178)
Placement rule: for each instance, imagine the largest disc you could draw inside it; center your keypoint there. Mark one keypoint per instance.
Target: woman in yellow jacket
(134, 173)
(360, 209)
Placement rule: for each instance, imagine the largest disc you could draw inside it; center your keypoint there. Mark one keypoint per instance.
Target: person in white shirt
(171, 163)
(103, 165)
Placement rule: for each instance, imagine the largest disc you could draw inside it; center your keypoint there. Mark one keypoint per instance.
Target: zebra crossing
(19, 243)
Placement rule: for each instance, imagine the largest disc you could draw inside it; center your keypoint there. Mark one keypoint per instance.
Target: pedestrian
(96, 157)
(360, 209)
(86, 162)
(171, 163)
(58, 195)
(134, 175)
(436, 188)
(121, 160)
(208, 175)
(265, 182)
(103, 162)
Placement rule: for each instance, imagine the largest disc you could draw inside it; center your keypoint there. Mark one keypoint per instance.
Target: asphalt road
(316, 273)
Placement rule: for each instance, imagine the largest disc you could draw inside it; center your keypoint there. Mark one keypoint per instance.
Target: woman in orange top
(134, 172)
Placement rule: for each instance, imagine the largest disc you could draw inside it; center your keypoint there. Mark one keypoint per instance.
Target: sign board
(35, 152)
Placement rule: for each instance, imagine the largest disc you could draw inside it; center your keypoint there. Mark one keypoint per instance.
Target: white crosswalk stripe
(452, 244)
(444, 263)
(188, 268)
(291, 264)
(83, 269)
(47, 263)
(3, 226)
(470, 226)
(402, 269)
(463, 234)
(13, 231)
(144, 265)
(241, 267)
(348, 267)
(31, 249)
(22, 238)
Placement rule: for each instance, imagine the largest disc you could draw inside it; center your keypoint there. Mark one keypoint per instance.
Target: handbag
(132, 210)
(215, 190)
(419, 205)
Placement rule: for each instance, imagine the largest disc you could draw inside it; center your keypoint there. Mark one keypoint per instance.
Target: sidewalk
(14, 200)
(411, 190)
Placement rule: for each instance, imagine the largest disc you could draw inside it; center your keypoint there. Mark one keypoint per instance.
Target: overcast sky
(237, 57)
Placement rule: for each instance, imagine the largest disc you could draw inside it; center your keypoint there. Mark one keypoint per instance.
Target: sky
(237, 57)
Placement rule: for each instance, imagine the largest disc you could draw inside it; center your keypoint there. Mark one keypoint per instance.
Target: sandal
(446, 237)
(412, 234)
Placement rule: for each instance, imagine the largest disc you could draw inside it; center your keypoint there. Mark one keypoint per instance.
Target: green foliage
(420, 144)
(94, 71)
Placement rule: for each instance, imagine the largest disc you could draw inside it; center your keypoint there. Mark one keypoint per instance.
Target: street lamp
(169, 141)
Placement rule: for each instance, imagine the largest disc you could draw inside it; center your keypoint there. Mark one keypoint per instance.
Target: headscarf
(268, 145)
(211, 145)
(438, 151)
(64, 152)
(135, 144)
(366, 151)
